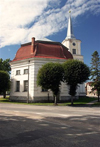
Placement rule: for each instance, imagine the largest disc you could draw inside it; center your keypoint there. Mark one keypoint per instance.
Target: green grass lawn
(80, 101)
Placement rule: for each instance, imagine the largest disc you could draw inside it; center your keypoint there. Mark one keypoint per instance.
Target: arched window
(74, 51)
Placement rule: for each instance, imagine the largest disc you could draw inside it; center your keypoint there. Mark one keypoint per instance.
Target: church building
(31, 56)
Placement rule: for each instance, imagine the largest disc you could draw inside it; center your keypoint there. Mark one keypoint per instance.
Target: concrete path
(91, 103)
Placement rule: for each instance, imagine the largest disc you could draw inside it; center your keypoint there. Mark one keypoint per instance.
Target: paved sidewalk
(91, 103)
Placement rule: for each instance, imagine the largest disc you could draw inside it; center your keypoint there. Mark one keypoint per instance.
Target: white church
(31, 56)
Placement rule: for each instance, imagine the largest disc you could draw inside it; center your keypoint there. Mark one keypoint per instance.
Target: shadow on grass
(81, 105)
(81, 102)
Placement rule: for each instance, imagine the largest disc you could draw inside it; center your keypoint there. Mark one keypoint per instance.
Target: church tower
(73, 44)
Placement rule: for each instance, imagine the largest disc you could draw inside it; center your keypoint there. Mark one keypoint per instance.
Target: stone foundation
(37, 99)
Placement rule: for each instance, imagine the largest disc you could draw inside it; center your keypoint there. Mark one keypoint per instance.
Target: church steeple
(73, 44)
(70, 34)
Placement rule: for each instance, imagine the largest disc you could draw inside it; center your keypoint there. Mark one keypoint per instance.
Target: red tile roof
(42, 49)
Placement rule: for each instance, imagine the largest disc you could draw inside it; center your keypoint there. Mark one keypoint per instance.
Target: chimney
(33, 45)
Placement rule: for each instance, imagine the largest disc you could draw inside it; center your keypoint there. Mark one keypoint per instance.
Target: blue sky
(24, 19)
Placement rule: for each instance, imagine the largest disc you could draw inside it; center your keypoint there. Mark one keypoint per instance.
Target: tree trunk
(71, 100)
(55, 100)
(58, 96)
(48, 96)
(4, 94)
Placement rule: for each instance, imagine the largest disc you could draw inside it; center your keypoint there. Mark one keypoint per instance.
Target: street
(49, 126)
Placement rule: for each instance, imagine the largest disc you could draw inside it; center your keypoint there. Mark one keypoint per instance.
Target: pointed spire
(70, 34)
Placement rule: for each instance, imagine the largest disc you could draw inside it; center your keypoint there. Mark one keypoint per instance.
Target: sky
(20, 20)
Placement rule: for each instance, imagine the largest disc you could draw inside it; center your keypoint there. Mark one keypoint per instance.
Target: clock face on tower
(74, 44)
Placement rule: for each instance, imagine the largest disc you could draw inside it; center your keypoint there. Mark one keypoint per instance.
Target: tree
(4, 82)
(95, 72)
(4, 65)
(50, 76)
(75, 72)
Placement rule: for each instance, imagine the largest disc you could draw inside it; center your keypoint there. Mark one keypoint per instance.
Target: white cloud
(23, 19)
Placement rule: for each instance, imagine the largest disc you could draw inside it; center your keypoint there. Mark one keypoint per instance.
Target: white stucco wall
(34, 90)
(18, 66)
(37, 91)
(69, 44)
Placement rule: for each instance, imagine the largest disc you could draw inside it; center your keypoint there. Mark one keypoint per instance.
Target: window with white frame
(17, 86)
(74, 51)
(25, 71)
(17, 72)
(26, 85)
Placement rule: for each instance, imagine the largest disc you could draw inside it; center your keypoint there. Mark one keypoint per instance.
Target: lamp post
(28, 83)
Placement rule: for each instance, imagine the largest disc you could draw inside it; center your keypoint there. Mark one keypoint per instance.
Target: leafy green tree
(4, 65)
(95, 72)
(50, 76)
(4, 82)
(1, 63)
(75, 72)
